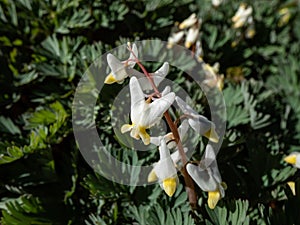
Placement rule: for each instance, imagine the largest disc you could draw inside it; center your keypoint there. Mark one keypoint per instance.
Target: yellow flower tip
(144, 135)
(110, 79)
(169, 186)
(125, 128)
(292, 186)
(152, 177)
(213, 198)
(291, 159)
(188, 44)
(212, 135)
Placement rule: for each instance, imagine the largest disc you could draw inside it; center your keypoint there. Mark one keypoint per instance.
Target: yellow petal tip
(213, 198)
(125, 128)
(110, 79)
(169, 186)
(152, 177)
(292, 186)
(212, 135)
(291, 159)
(188, 44)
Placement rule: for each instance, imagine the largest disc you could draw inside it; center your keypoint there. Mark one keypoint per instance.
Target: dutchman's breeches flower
(119, 70)
(199, 123)
(165, 170)
(143, 113)
(207, 177)
(192, 35)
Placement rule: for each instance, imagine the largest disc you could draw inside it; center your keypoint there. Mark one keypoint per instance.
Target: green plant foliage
(47, 46)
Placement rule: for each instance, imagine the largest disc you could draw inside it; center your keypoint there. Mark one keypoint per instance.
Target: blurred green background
(46, 46)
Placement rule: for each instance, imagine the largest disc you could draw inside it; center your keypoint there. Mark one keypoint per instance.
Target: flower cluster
(212, 78)
(243, 19)
(189, 28)
(148, 109)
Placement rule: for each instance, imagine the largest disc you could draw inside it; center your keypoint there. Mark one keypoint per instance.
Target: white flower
(192, 35)
(119, 70)
(199, 123)
(164, 170)
(175, 38)
(294, 159)
(158, 76)
(207, 177)
(143, 113)
(190, 21)
(241, 16)
(216, 3)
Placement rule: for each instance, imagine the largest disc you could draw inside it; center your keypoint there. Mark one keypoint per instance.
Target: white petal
(183, 129)
(199, 50)
(117, 67)
(175, 38)
(166, 91)
(132, 58)
(137, 100)
(200, 124)
(155, 140)
(158, 76)
(210, 160)
(156, 110)
(162, 71)
(191, 36)
(185, 107)
(165, 167)
(297, 160)
(202, 177)
(176, 155)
